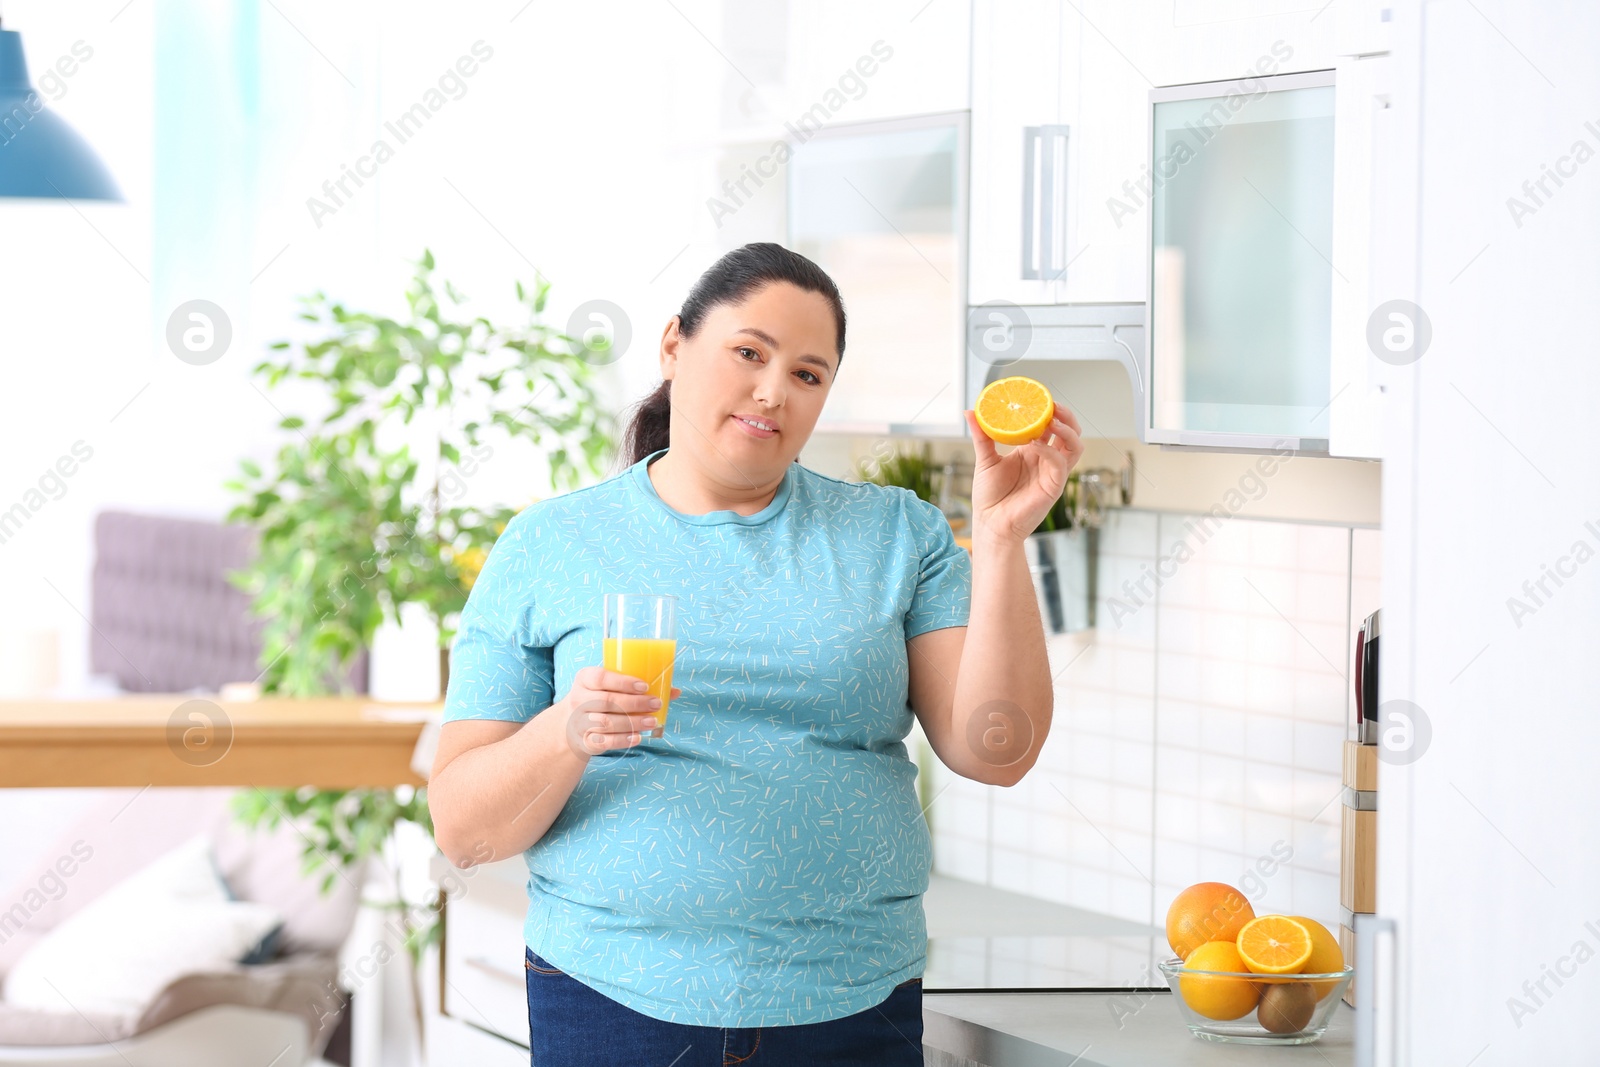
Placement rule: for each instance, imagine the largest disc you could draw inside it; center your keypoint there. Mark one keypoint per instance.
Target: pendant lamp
(40, 155)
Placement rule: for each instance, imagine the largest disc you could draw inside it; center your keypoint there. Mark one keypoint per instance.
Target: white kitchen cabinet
(1112, 55)
(1127, 49)
(1363, 108)
(881, 207)
(1355, 374)
(1216, 39)
(1177, 42)
(1241, 282)
(1020, 62)
(1111, 198)
(869, 103)
(1089, 67)
(478, 1011)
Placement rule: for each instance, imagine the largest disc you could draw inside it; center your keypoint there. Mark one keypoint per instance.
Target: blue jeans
(572, 1025)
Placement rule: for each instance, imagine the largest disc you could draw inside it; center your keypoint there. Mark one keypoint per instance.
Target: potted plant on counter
(1064, 552)
(912, 469)
(1041, 553)
(916, 470)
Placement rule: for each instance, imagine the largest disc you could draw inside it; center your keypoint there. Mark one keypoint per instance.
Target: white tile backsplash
(1197, 729)
(1320, 697)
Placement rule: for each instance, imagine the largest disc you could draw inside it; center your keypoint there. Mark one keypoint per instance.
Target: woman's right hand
(608, 711)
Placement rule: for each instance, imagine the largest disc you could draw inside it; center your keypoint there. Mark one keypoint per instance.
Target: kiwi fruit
(1286, 1007)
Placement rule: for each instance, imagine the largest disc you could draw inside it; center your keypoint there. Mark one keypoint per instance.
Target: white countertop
(980, 937)
(1100, 1030)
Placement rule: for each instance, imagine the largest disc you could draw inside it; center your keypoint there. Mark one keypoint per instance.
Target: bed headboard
(163, 616)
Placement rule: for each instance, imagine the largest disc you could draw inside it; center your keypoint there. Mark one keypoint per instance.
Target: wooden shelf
(184, 740)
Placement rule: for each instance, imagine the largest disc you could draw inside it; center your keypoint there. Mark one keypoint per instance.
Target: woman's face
(770, 358)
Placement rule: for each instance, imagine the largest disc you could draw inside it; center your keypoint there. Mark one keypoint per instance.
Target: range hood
(1092, 356)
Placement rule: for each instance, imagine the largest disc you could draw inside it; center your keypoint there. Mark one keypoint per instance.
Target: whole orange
(1206, 911)
(1326, 956)
(1213, 997)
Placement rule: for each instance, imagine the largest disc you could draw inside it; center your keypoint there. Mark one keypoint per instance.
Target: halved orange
(1014, 411)
(1275, 944)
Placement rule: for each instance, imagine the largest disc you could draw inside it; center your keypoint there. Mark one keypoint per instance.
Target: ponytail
(647, 431)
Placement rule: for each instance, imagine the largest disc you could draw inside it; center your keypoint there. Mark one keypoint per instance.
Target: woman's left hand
(1011, 494)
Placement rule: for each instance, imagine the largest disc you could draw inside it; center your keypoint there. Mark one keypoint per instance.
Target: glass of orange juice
(640, 639)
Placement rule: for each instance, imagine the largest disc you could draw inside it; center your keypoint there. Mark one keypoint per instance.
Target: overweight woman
(746, 889)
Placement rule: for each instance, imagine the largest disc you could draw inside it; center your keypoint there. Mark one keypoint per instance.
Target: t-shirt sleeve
(943, 595)
(498, 667)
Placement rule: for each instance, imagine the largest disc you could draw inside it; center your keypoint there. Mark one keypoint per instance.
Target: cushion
(115, 955)
(118, 835)
(265, 866)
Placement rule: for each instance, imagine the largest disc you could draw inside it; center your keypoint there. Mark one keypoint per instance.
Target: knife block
(1358, 850)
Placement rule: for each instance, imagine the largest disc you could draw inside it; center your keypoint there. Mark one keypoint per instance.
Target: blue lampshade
(40, 155)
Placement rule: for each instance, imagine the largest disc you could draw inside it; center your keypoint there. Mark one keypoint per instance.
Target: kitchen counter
(1098, 1030)
(1056, 982)
(981, 937)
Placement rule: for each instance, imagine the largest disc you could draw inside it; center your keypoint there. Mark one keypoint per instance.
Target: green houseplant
(361, 513)
(913, 470)
(1059, 517)
(347, 534)
(1062, 553)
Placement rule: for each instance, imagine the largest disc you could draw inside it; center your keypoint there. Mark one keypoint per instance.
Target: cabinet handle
(1039, 251)
(1366, 1039)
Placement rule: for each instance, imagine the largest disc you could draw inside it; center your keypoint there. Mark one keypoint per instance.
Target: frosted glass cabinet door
(880, 206)
(1241, 281)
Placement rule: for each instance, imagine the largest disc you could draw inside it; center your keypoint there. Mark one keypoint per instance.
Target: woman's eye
(812, 378)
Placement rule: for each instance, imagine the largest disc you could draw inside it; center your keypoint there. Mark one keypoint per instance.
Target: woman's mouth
(755, 427)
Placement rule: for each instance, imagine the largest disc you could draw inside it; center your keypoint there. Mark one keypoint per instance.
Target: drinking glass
(640, 639)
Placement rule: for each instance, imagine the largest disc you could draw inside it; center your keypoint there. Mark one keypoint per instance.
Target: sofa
(244, 1014)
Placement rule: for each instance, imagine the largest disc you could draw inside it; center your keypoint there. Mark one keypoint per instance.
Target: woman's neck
(685, 487)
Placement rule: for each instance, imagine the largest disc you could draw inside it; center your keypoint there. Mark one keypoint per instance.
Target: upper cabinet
(845, 136)
(1022, 150)
(1248, 252)
(1060, 110)
(881, 206)
(1241, 282)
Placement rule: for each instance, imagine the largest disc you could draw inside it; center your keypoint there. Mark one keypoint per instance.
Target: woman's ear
(671, 340)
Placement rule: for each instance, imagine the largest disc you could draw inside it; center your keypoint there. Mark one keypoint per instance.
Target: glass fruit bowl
(1255, 1009)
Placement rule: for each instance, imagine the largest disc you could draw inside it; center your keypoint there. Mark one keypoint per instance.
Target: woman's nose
(770, 389)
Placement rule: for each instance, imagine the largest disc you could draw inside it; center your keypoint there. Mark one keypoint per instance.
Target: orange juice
(648, 658)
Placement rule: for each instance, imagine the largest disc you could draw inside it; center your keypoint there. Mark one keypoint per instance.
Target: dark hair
(728, 281)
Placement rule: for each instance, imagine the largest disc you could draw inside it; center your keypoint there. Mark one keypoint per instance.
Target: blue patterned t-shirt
(764, 862)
